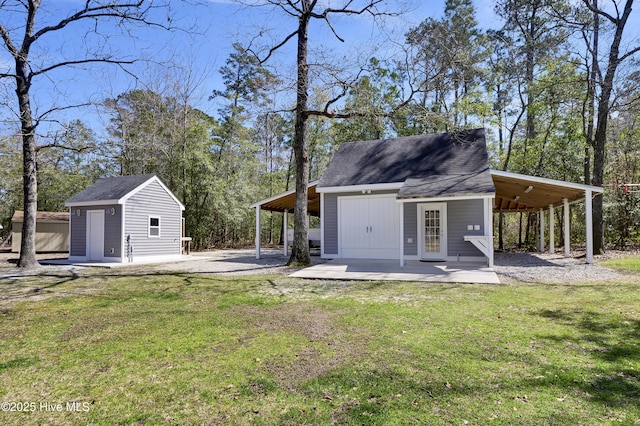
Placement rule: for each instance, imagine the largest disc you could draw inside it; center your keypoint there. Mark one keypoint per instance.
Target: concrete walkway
(390, 270)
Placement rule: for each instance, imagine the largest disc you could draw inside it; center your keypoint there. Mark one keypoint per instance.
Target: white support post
(322, 224)
(567, 228)
(401, 235)
(257, 232)
(552, 230)
(285, 225)
(488, 227)
(589, 223)
(541, 216)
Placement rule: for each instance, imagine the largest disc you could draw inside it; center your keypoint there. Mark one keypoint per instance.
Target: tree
(604, 100)
(305, 11)
(21, 41)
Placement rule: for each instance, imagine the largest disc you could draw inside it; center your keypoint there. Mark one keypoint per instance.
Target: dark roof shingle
(112, 188)
(428, 165)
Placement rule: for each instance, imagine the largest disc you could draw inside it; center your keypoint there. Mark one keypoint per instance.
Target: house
(426, 197)
(125, 219)
(52, 231)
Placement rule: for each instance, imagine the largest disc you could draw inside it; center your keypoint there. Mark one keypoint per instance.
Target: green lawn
(204, 349)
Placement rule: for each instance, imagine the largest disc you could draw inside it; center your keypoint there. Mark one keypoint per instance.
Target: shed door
(95, 235)
(369, 227)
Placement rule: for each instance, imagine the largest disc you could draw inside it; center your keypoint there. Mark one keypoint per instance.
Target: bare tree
(22, 31)
(304, 11)
(618, 21)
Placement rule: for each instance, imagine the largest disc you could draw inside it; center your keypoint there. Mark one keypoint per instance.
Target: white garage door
(369, 227)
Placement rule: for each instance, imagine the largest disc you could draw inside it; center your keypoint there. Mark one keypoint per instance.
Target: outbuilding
(425, 198)
(125, 219)
(52, 231)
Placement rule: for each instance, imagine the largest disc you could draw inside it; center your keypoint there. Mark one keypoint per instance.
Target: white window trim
(149, 227)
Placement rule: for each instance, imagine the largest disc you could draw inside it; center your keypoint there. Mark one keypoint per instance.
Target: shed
(52, 231)
(425, 198)
(125, 219)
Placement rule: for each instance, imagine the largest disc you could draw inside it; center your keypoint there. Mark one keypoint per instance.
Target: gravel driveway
(510, 267)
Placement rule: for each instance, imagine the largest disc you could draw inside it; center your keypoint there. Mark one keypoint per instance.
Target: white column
(567, 228)
(488, 227)
(257, 232)
(552, 230)
(322, 224)
(541, 216)
(401, 234)
(285, 225)
(589, 224)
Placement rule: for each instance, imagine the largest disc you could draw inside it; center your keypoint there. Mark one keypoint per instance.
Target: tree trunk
(300, 249)
(600, 136)
(29, 178)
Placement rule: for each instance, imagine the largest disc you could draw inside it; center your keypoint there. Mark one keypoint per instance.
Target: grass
(625, 263)
(204, 349)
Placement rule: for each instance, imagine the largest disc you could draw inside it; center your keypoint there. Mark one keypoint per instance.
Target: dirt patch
(328, 347)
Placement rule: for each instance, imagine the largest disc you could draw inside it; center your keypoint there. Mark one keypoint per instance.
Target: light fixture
(529, 188)
(516, 198)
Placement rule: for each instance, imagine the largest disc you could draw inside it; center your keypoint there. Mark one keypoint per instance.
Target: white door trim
(442, 254)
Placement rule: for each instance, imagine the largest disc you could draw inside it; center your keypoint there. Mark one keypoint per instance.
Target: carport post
(552, 231)
(285, 225)
(401, 234)
(541, 216)
(258, 232)
(589, 224)
(567, 231)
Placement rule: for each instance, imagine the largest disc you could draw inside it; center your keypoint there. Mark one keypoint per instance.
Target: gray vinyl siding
(460, 214)
(411, 229)
(153, 201)
(78, 237)
(112, 231)
(330, 240)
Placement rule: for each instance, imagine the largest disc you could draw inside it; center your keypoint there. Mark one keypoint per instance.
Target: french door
(433, 231)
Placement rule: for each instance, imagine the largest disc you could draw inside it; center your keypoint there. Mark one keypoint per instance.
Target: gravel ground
(551, 268)
(510, 267)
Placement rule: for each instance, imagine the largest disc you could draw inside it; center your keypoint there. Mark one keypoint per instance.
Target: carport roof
(512, 194)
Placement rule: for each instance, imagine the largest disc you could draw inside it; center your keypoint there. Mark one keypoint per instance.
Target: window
(154, 226)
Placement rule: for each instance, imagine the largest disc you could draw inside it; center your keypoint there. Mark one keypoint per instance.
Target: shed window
(154, 226)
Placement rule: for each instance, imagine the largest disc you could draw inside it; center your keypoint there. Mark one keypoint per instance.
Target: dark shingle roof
(428, 165)
(109, 189)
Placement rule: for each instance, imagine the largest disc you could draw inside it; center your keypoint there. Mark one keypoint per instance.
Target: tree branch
(79, 62)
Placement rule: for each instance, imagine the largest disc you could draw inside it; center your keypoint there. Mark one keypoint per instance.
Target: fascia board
(92, 203)
(547, 181)
(446, 198)
(359, 188)
(281, 195)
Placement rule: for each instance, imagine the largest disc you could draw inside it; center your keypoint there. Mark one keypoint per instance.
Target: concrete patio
(390, 270)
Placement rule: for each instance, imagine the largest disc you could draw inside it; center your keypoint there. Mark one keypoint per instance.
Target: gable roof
(444, 164)
(116, 190)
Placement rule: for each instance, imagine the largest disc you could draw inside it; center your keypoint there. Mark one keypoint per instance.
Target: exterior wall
(112, 231)
(78, 237)
(330, 212)
(411, 229)
(460, 214)
(50, 237)
(153, 201)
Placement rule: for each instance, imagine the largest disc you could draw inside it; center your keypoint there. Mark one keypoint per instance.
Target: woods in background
(558, 97)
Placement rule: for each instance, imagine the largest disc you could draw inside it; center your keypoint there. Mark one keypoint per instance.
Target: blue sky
(201, 51)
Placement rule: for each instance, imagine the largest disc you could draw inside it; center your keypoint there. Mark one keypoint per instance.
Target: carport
(514, 193)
